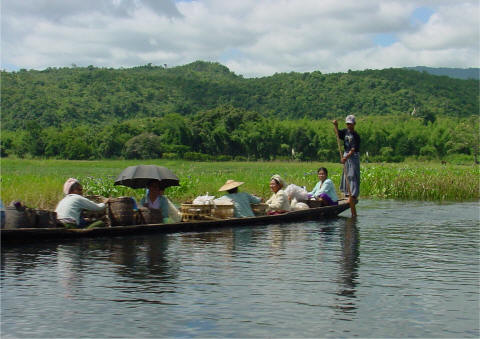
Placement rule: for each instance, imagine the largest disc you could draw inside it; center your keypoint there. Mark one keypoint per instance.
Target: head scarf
(67, 186)
(279, 179)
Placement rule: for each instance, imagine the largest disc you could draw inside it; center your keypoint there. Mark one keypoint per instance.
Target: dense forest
(203, 111)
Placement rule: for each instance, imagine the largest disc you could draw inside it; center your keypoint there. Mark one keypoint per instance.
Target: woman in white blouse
(279, 202)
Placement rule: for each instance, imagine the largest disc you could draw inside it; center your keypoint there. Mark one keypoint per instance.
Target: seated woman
(279, 202)
(241, 200)
(70, 208)
(155, 199)
(324, 190)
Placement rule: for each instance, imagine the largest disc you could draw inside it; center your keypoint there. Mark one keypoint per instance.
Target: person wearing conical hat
(278, 202)
(241, 200)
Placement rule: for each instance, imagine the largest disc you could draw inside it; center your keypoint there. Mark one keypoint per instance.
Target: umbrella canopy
(139, 176)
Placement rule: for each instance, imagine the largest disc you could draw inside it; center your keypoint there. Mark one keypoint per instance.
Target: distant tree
(428, 151)
(466, 138)
(6, 144)
(32, 142)
(428, 117)
(143, 146)
(77, 148)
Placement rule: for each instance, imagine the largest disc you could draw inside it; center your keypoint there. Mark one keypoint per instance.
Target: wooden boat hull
(35, 235)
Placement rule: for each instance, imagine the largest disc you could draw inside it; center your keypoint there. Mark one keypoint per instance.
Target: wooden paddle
(350, 198)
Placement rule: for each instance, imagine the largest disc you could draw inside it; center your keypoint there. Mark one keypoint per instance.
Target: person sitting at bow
(155, 199)
(278, 202)
(241, 200)
(69, 209)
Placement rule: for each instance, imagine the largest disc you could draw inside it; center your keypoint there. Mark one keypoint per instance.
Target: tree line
(229, 133)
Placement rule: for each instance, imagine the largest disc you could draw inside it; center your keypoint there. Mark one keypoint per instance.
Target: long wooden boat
(36, 235)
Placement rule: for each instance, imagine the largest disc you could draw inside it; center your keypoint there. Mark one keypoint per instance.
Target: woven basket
(21, 217)
(149, 216)
(195, 212)
(95, 198)
(120, 211)
(223, 211)
(259, 209)
(45, 219)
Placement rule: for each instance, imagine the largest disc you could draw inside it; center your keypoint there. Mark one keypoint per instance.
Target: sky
(253, 38)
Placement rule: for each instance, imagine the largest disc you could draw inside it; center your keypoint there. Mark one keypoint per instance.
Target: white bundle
(204, 200)
(173, 212)
(297, 206)
(296, 192)
(223, 201)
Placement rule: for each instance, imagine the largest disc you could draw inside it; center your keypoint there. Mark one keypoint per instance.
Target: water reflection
(26, 259)
(227, 240)
(143, 258)
(350, 242)
(278, 237)
(299, 279)
(70, 266)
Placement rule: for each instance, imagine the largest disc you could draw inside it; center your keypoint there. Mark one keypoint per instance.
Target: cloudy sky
(251, 37)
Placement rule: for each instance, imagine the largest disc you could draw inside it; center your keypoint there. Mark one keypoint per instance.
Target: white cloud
(451, 27)
(267, 36)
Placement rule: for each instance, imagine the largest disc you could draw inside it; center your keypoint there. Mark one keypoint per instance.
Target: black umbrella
(139, 176)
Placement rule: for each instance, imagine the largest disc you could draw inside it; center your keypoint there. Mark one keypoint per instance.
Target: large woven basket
(195, 212)
(45, 218)
(223, 211)
(21, 217)
(120, 211)
(95, 198)
(149, 216)
(259, 209)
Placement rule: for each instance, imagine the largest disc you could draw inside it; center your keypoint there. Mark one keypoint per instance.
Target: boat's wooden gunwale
(23, 235)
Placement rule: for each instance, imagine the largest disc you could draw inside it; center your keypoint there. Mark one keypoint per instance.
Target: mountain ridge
(90, 95)
(457, 73)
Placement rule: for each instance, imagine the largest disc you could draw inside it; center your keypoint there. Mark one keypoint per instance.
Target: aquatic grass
(413, 182)
(39, 183)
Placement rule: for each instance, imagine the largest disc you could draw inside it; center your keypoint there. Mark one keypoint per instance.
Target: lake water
(401, 269)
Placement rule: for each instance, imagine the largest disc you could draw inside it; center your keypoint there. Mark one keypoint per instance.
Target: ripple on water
(401, 269)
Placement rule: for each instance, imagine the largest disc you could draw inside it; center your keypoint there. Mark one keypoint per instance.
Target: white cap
(350, 119)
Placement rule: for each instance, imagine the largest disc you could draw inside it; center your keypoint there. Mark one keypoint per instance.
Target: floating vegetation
(39, 183)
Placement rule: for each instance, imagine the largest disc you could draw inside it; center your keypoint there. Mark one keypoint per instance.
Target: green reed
(427, 182)
(38, 183)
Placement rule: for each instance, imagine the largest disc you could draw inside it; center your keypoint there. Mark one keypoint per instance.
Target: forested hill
(90, 95)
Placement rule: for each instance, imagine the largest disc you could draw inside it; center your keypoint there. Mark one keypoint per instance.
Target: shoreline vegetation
(202, 111)
(38, 183)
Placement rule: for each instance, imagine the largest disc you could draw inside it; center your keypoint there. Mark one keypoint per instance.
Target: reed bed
(38, 183)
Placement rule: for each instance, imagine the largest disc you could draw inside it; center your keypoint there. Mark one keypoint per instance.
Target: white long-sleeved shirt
(72, 205)
(278, 202)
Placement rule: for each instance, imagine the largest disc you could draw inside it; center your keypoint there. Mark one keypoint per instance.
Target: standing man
(350, 159)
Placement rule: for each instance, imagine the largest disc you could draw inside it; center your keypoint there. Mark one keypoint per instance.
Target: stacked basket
(195, 212)
(259, 209)
(146, 215)
(120, 211)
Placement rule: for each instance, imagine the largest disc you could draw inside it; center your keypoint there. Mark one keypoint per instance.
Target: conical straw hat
(230, 184)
